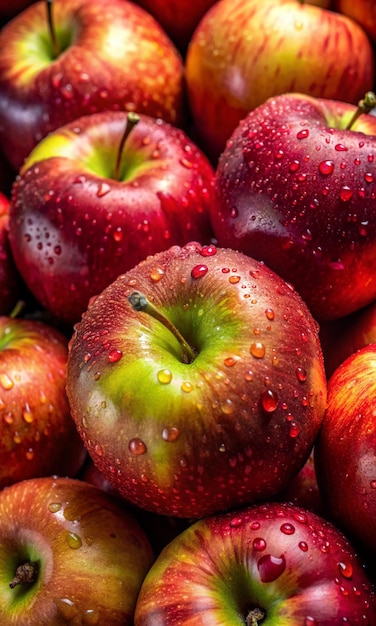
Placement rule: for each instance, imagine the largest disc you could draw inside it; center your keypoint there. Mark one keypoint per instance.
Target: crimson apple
(272, 564)
(69, 554)
(245, 51)
(303, 489)
(345, 454)
(204, 391)
(362, 11)
(10, 280)
(295, 188)
(106, 57)
(38, 436)
(76, 222)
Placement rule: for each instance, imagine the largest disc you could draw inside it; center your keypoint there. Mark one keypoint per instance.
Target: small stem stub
(132, 120)
(255, 617)
(25, 574)
(364, 106)
(51, 28)
(139, 302)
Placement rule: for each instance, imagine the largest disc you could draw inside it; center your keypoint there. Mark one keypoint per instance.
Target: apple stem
(51, 27)
(139, 302)
(364, 106)
(17, 309)
(132, 120)
(25, 574)
(255, 617)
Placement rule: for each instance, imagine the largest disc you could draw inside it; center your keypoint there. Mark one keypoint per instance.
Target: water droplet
(234, 212)
(136, 446)
(234, 280)
(301, 374)
(259, 544)
(199, 271)
(294, 430)
(98, 449)
(303, 546)
(287, 529)
(271, 567)
(208, 251)
(303, 134)
(66, 608)
(373, 484)
(294, 166)
(170, 434)
(115, 356)
(230, 361)
(340, 147)
(103, 189)
(257, 350)
(368, 177)
(269, 400)
(118, 234)
(186, 386)
(29, 454)
(186, 163)
(27, 414)
(345, 569)
(269, 314)
(6, 382)
(156, 274)
(54, 507)
(326, 167)
(236, 522)
(73, 540)
(90, 617)
(310, 621)
(164, 376)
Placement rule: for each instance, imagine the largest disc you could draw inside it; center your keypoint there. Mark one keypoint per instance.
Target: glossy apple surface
(272, 565)
(89, 553)
(245, 51)
(37, 434)
(187, 437)
(75, 226)
(295, 189)
(114, 57)
(362, 11)
(345, 455)
(10, 280)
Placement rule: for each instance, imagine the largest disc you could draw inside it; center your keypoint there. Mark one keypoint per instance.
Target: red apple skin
(234, 425)
(92, 555)
(362, 11)
(38, 436)
(74, 228)
(9, 10)
(294, 189)
(303, 489)
(10, 280)
(345, 453)
(119, 59)
(293, 565)
(246, 51)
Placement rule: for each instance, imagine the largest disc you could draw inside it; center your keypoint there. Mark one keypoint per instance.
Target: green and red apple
(69, 554)
(245, 51)
(196, 381)
(113, 56)
(87, 206)
(295, 188)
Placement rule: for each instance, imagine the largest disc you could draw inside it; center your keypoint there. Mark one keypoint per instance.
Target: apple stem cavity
(51, 28)
(25, 574)
(255, 617)
(139, 302)
(132, 121)
(364, 106)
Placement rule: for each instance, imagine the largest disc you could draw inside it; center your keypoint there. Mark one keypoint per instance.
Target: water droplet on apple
(340, 147)
(303, 134)
(287, 529)
(236, 522)
(6, 382)
(164, 376)
(257, 350)
(27, 414)
(156, 274)
(271, 567)
(294, 430)
(345, 569)
(346, 193)
(199, 271)
(103, 189)
(368, 177)
(303, 546)
(234, 280)
(259, 544)
(310, 621)
(186, 386)
(90, 617)
(54, 507)
(73, 540)
(66, 608)
(326, 167)
(29, 454)
(170, 434)
(269, 400)
(269, 314)
(230, 361)
(136, 446)
(115, 356)
(208, 251)
(118, 234)
(294, 166)
(301, 374)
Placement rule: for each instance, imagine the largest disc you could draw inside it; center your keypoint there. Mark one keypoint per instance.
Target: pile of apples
(187, 313)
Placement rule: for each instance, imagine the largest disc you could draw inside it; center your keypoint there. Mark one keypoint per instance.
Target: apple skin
(345, 453)
(303, 489)
(119, 58)
(362, 11)
(38, 436)
(234, 425)
(293, 565)
(92, 555)
(74, 227)
(294, 188)
(246, 51)
(10, 280)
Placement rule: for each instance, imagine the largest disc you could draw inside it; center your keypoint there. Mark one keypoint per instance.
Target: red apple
(295, 188)
(76, 223)
(207, 394)
(245, 51)
(362, 11)
(69, 554)
(38, 436)
(9, 9)
(108, 57)
(303, 489)
(345, 453)
(10, 281)
(269, 565)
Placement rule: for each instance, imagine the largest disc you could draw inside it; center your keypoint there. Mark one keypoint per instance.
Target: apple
(179, 23)
(10, 281)
(269, 564)
(77, 221)
(69, 554)
(38, 436)
(246, 51)
(345, 453)
(294, 188)
(362, 11)
(10, 9)
(203, 391)
(107, 57)
(303, 489)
